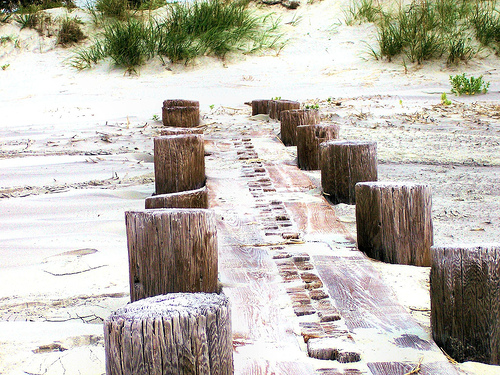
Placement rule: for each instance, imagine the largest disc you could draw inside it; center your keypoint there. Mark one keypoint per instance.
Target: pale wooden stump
(345, 163)
(277, 106)
(260, 106)
(179, 162)
(465, 301)
(181, 113)
(394, 222)
(185, 199)
(291, 119)
(174, 334)
(171, 250)
(309, 137)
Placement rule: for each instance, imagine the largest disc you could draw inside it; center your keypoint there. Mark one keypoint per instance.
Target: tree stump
(276, 106)
(309, 137)
(181, 113)
(171, 250)
(290, 119)
(186, 199)
(180, 131)
(179, 162)
(344, 164)
(174, 334)
(260, 106)
(394, 222)
(465, 301)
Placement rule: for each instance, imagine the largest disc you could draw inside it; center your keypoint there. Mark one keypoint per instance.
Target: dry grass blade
(416, 369)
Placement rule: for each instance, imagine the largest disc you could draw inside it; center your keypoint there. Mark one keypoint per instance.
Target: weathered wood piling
(171, 250)
(345, 163)
(277, 106)
(181, 113)
(394, 222)
(185, 199)
(309, 137)
(290, 119)
(260, 106)
(179, 162)
(465, 301)
(174, 334)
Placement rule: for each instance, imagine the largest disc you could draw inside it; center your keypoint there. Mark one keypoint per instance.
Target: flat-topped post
(290, 119)
(181, 113)
(309, 137)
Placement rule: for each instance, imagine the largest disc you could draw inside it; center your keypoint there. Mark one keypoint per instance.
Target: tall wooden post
(344, 164)
(181, 113)
(185, 199)
(260, 106)
(465, 301)
(292, 118)
(394, 222)
(309, 137)
(171, 250)
(277, 106)
(174, 334)
(179, 162)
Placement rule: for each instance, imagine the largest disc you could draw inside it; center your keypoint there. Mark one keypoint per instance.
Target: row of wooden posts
(394, 225)
(179, 322)
(173, 256)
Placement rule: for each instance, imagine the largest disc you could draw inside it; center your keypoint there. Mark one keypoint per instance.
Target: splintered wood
(465, 301)
(174, 334)
(171, 250)
(394, 222)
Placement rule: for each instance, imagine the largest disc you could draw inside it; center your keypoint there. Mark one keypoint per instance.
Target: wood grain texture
(181, 113)
(174, 334)
(277, 106)
(394, 222)
(290, 119)
(260, 106)
(343, 165)
(309, 137)
(187, 199)
(465, 282)
(171, 250)
(179, 162)
(180, 131)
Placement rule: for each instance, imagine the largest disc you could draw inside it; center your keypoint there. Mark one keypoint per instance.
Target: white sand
(63, 256)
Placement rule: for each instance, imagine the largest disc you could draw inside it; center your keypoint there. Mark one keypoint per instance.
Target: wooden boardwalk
(293, 274)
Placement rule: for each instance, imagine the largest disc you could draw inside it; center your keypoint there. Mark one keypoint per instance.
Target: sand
(75, 153)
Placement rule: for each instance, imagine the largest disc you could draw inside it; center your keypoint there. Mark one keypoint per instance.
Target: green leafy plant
(312, 106)
(155, 118)
(276, 98)
(28, 20)
(461, 84)
(4, 17)
(444, 99)
(5, 66)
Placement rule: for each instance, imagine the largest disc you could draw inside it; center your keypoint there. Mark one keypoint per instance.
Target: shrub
(118, 9)
(460, 84)
(70, 32)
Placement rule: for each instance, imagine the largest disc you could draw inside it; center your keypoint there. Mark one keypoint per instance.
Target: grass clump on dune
(212, 27)
(429, 29)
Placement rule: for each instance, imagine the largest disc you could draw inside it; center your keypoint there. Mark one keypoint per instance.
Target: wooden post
(174, 334)
(290, 119)
(309, 137)
(180, 131)
(179, 162)
(171, 250)
(186, 199)
(344, 164)
(394, 222)
(260, 106)
(276, 106)
(465, 301)
(181, 113)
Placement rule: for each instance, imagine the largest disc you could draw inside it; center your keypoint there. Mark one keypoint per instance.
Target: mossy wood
(179, 163)
(309, 137)
(465, 301)
(174, 334)
(260, 106)
(185, 199)
(181, 113)
(171, 250)
(394, 222)
(290, 119)
(345, 163)
(277, 106)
